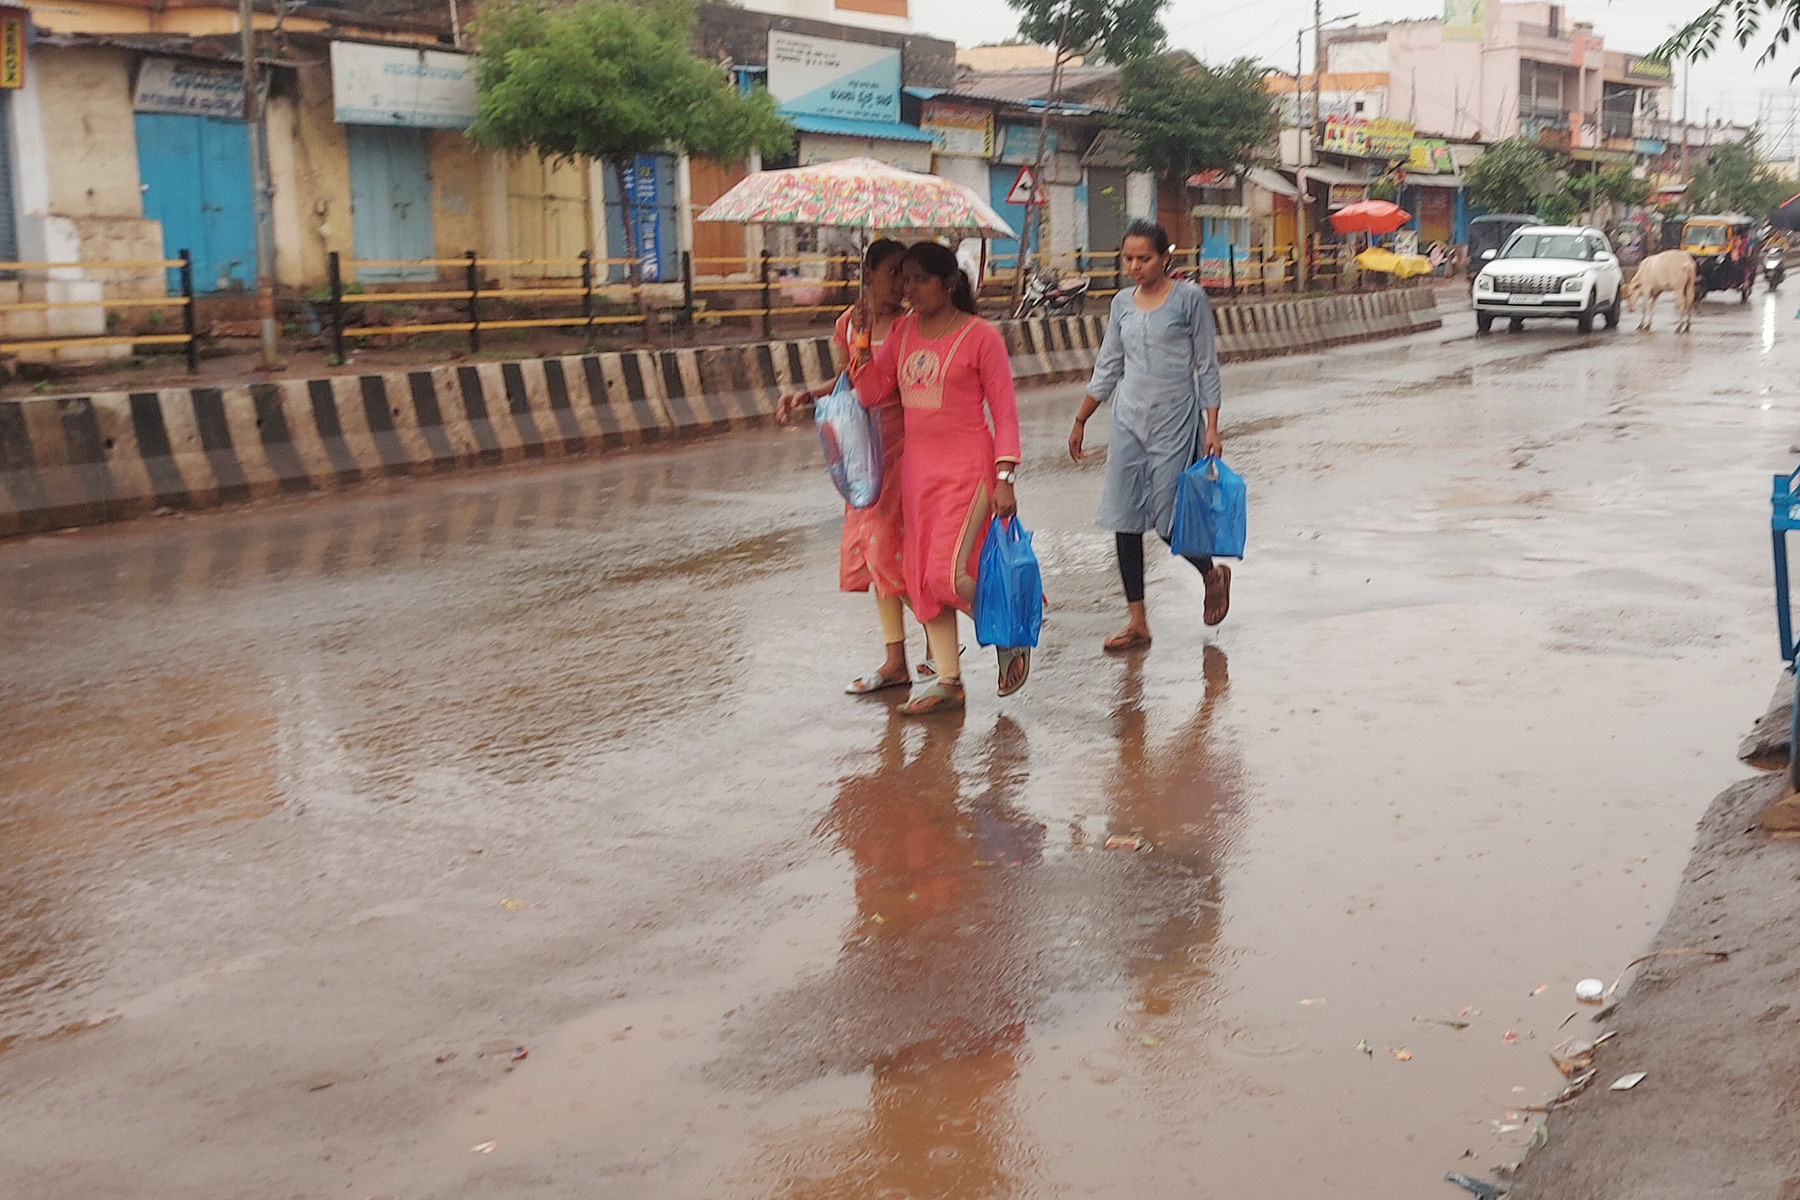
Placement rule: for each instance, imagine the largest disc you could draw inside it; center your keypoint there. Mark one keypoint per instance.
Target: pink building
(1491, 71)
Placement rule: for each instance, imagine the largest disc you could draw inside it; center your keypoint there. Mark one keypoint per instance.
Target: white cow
(1670, 271)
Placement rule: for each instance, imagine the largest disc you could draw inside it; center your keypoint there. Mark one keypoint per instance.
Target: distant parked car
(1566, 271)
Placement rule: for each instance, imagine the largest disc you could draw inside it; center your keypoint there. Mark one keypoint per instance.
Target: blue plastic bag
(1209, 511)
(851, 436)
(1009, 588)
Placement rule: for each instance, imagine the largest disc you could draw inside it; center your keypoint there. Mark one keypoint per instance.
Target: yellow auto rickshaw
(1721, 245)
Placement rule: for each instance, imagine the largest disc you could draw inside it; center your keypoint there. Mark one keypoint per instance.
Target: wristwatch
(1006, 475)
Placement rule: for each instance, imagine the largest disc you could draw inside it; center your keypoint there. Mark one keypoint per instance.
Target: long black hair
(939, 261)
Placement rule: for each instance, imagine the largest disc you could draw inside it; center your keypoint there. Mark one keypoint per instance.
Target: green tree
(1557, 208)
(1745, 20)
(1734, 178)
(1509, 176)
(1621, 185)
(1117, 31)
(611, 79)
(1185, 118)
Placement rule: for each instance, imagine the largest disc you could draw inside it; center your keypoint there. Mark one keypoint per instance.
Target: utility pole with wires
(1687, 84)
(1318, 113)
(1300, 160)
(260, 189)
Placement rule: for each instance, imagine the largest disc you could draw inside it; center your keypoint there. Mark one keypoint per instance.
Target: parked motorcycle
(1774, 265)
(1048, 294)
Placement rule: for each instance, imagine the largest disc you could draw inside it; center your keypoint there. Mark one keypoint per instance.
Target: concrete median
(110, 456)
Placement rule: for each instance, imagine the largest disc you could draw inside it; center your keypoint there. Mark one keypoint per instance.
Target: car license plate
(1527, 299)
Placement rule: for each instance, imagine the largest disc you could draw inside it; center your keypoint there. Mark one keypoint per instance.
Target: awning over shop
(1272, 181)
(879, 131)
(1613, 157)
(1112, 148)
(1328, 174)
(1435, 181)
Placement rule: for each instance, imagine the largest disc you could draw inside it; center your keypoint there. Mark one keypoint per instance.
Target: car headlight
(1575, 283)
(1484, 283)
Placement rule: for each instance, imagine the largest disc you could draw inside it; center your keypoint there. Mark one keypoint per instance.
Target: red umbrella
(1369, 216)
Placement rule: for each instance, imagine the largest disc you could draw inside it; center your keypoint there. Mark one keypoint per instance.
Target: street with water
(316, 814)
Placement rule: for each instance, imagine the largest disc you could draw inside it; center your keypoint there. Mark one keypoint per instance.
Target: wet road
(312, 814)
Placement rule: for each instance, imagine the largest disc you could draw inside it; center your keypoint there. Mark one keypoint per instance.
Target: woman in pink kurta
(870, 552)
(953, 376)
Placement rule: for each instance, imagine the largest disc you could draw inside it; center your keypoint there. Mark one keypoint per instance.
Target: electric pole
(1300, 163)
(1318, 60)
(259, 188)
(1687, 83)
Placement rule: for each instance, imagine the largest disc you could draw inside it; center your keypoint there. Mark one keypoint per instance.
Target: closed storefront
(390, 201)
(389, 99)
(547, 214)
(194, 164)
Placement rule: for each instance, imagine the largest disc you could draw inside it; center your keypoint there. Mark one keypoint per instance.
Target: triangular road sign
(1025, 189)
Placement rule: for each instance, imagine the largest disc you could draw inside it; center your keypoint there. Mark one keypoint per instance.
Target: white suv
(1550, 271)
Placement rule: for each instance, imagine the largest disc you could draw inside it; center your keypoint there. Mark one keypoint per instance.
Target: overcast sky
(1729, 84)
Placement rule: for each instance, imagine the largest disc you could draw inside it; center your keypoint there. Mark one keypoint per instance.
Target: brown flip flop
(1218, 594)
(1123, 644)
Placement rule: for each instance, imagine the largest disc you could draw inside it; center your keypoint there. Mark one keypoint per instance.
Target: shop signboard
(1648, 68)
(1019, 143)
(15, 27)
(170, 85)
(1375, 137)
(644, 197)
(960, 130)
(397, 86)
(1431, 156)
(821, 77)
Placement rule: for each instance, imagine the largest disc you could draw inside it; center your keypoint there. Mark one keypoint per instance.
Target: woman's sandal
(874, 682)
(1121, 643)
(1011, 657)
(939, 695)
(927, 669)
(1218, 594)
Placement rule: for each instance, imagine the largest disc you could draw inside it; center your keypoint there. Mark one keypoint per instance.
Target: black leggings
(1131, 564)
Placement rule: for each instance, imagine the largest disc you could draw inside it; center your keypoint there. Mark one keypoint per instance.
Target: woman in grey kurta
(1159, 367)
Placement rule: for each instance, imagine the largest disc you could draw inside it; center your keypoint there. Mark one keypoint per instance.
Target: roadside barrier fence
(84, 293)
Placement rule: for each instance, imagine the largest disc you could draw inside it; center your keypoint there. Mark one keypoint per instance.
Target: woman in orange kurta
(870, 552)
(951, 372)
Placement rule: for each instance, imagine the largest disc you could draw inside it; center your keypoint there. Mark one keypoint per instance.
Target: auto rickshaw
(1721, 245)
(1490, 232)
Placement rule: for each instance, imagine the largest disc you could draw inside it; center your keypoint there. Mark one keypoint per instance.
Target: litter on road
(1625, 1083)
(1480, 1188)
(1590, 991)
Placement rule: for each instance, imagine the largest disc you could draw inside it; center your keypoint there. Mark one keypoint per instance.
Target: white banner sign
(824, 78)
(390, 85)
(959, 129)
(169, 85)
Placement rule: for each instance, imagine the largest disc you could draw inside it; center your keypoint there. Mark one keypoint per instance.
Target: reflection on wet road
(313, 814)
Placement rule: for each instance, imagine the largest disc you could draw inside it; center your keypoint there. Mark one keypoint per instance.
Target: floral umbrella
(858, 193)
(1369, 216)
